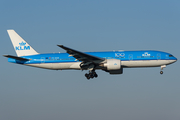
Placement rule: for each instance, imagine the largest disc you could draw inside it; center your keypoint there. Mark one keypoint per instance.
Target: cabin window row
(54, 58)
(145, 56)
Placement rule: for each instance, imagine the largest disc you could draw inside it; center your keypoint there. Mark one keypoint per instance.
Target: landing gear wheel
(95, 75)
(91, 74)
(86, 75)
(161, 72)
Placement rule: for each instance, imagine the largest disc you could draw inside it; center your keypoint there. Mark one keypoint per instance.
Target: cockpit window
(170, 55)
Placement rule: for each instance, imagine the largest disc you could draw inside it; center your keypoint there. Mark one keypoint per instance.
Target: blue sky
(89, 25)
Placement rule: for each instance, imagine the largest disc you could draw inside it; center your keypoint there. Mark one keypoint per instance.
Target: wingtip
(60, 45)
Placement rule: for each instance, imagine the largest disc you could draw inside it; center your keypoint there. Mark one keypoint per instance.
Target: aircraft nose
(176, 59)
(173, 60)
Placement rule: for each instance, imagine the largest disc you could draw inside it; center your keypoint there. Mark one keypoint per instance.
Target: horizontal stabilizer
(17, 58)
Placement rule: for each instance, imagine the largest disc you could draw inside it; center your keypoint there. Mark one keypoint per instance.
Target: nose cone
(175, 59)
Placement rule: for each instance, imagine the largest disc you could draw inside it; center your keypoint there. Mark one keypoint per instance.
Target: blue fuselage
(121, 55)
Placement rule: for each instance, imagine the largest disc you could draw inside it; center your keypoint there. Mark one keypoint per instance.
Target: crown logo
(22, 43)
(146, 54)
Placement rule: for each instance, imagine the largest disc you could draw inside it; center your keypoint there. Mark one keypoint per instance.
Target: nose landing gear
(91, 74)
(163, 66)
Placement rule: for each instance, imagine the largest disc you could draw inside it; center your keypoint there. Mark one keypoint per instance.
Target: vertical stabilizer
(21, 47)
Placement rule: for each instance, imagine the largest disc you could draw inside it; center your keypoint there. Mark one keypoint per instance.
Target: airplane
(112, 62)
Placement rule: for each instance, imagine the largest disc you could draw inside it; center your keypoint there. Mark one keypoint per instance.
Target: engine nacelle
(113, 64)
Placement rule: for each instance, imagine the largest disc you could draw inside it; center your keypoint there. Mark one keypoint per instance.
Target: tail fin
(21, 47)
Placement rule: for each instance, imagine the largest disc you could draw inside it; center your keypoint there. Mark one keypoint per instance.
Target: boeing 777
(112, 62)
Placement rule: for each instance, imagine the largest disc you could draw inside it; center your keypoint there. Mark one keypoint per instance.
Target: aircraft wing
(80, 55)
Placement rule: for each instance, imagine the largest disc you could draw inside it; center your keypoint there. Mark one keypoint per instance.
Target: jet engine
(113, 66)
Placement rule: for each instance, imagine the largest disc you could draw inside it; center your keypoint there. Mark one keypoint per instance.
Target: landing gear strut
(163, 66)
(91, 74)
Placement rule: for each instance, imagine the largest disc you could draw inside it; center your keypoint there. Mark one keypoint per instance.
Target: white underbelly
(76, 65)
(145, 63)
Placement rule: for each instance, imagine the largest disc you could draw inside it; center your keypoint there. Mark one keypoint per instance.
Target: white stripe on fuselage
(76, 65)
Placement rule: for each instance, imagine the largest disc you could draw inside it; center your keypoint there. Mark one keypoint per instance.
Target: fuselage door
(158, 56)
(42, 59)
(130, 57)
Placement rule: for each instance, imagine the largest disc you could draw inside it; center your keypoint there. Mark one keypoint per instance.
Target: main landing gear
(91, 74)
